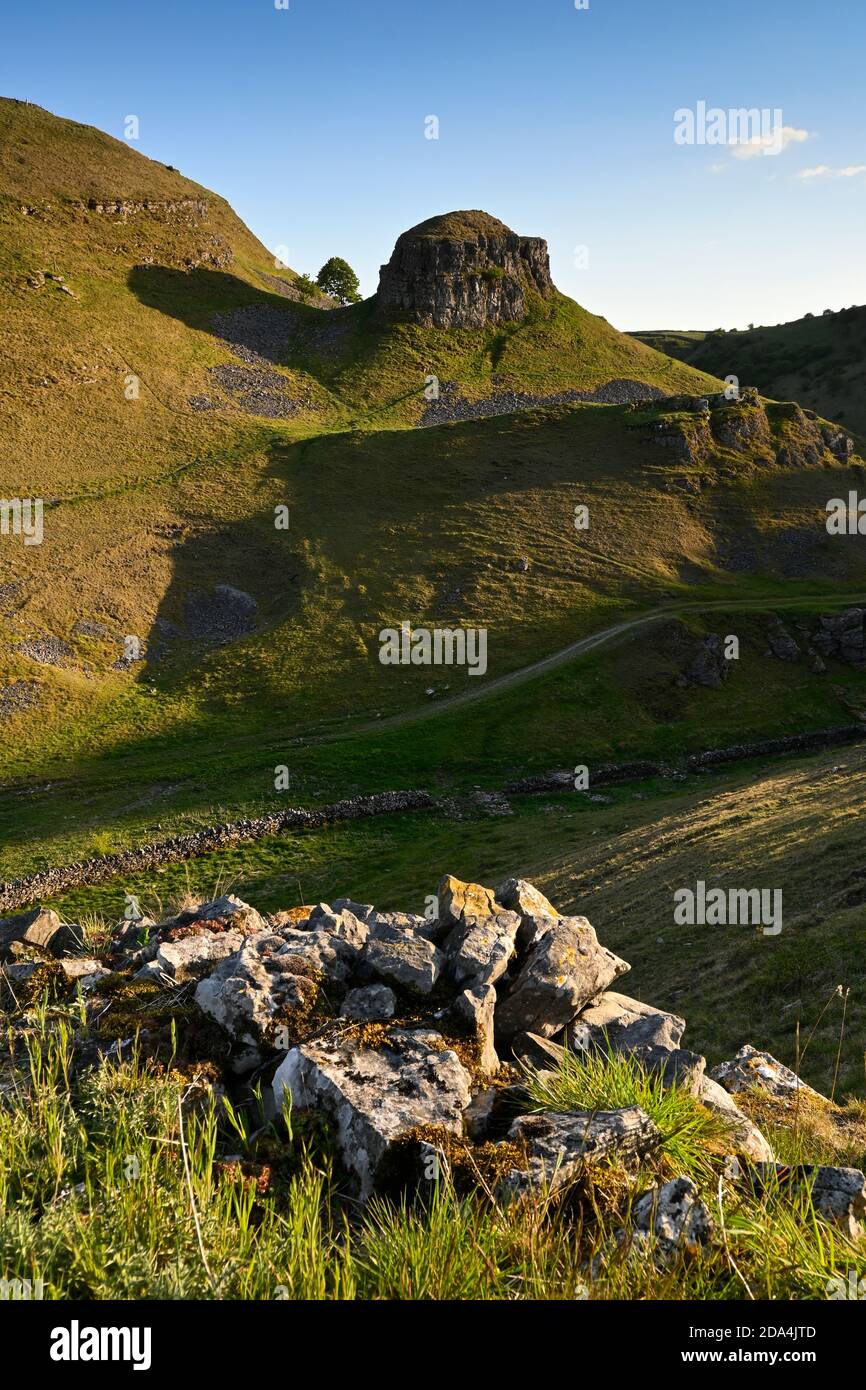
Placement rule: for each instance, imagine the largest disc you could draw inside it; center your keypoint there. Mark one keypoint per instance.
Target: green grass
(114, 1183)
(387, 521)
(595, 1082)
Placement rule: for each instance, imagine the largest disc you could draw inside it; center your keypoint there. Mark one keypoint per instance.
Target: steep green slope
(469, 524)
(97, 382)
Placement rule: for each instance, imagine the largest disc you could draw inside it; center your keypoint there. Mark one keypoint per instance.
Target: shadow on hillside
(229, 583)
(283, 331)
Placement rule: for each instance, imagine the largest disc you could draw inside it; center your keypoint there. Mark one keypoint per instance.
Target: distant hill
(819, 360)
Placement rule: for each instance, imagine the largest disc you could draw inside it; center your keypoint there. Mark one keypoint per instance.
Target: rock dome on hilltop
(463, 270)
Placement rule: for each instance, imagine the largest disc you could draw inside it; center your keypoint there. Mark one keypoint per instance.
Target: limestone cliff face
(463, 270)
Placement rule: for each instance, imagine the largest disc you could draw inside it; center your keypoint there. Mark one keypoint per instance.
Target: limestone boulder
(751, 1069)
(562, 973)
(479, 949)
(377, 1097)
(615, 1023)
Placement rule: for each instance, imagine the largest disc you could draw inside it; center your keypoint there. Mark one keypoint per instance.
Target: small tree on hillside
(339, 279)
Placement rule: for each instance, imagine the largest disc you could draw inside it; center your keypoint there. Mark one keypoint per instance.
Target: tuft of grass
(689, 1132)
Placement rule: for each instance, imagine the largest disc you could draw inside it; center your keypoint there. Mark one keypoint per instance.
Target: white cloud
(774, 143)
(823, 171)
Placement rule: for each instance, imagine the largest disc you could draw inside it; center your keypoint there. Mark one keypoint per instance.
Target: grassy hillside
(169, 396)
(468, 524)
(818, 360)
(157, 503)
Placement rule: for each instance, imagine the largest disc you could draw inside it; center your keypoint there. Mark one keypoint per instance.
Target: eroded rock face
(463, 270)
(457, 899)
(375, 1097)
(842, 636)
(563, 972)
(524, 898)
(340, 922)
(472, 1015)
(741, 426)
(256, 988)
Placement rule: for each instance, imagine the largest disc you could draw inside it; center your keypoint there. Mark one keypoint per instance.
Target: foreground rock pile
(413, 1034)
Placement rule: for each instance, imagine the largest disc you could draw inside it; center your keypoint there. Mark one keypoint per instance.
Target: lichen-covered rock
(524, 898)
(672, 1220)
(556, 1146)
(85, 971)
(391, 926)
(463, 270)
(363, 911)
(457, 899)
(341, 923)
(193, 957)
(332, 954)
(751, 1069)
(376, 1097)
(563, 971)
(293, 916)
(477, 951)
(532, 928)
(226, 913)
(369, 1004)
(252, 991)
(614, 1022)
(410, 963)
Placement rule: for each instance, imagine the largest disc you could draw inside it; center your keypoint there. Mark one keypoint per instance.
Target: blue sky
(311, 122)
